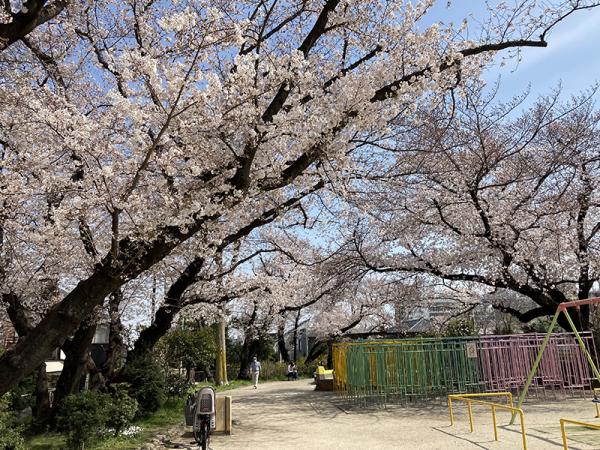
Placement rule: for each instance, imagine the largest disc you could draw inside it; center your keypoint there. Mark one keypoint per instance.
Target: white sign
(471, 350)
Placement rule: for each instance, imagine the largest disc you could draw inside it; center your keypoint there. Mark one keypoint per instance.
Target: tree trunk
(296, 335)
(116, 346)
(22, 324)
(317, 350)
(243, 373)
(164, 316)
(42, 396)
(64, 318)
(283, 351)
(62, 321)
(249, 349)
(77, 351)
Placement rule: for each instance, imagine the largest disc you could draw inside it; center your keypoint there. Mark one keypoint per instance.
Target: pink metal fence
(505, 361)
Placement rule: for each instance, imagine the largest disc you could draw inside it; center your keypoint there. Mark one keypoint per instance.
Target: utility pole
(221, 372)
(221, 375)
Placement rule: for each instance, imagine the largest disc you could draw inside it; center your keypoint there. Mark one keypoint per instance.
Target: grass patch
(46, 441)
(170, 414)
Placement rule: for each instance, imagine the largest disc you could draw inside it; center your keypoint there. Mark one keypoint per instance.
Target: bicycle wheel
(204, 434)
(197, 431)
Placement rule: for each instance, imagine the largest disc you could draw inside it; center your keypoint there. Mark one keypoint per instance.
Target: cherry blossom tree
(493, 197)
(133, 129)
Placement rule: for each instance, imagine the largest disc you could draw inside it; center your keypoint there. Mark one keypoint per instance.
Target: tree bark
(77, 351)
(243, 373)
(116, 345)
(22, 324)
(42, 395)
(283, 351)
(249, 349)
(24, 22)
(317, 350)
(296, 335)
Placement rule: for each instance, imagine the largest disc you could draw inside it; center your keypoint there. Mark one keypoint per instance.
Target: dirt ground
(291, 415)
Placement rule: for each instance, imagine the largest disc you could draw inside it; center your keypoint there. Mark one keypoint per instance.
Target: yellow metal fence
(471, 399)
(563, 430)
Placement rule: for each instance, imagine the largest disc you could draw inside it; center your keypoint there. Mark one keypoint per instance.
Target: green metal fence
(402, 370)
(405, 369)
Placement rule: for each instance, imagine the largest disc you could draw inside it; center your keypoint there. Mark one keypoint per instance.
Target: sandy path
(291, 415)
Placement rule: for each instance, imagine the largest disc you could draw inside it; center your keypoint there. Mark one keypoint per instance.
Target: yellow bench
(324, 379)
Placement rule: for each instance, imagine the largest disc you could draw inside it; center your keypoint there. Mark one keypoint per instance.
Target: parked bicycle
(200, 414)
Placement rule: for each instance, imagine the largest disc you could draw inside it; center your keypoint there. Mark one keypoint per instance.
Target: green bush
(307, 369)
(83, 417)
(177, 386)
(10, 434)
(146, 381)
(120, 408)
(191, 347)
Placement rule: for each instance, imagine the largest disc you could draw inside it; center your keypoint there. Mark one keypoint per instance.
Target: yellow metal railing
(471, 399)
(596, 391)
(563, 430)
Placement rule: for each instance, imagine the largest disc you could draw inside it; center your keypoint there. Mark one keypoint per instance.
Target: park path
(292, 415)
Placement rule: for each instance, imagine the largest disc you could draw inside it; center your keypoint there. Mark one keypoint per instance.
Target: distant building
(425, 317)
(305, 341)
(99, 347)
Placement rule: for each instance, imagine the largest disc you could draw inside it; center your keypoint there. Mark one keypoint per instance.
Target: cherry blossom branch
(33, 14)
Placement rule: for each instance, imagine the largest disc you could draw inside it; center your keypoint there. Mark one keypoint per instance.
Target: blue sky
(571, 58)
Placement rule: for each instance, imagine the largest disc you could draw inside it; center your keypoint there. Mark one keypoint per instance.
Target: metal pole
(564, 436)
(450, 409)
(470, 414)
(582, 345)
(523, 429)
(536, 363)
(494, 421)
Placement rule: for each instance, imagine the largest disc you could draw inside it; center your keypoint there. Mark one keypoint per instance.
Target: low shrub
(88, 416)
(120, 409)
(177, 386)
(460, 327)
(307, 369)
(10, 434)
(147, 384)
(83, 418)
(273, 370)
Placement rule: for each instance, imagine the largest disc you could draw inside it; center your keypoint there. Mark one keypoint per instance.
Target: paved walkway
(291, 415)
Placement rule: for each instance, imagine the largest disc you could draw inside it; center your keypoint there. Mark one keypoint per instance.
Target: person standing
(255, 370)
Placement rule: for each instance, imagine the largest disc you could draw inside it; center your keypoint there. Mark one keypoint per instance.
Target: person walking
(255, 370)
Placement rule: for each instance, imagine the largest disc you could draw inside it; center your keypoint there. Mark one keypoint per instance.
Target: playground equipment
(471, 399)
(562, 309)
(408, 369)
(563, 431)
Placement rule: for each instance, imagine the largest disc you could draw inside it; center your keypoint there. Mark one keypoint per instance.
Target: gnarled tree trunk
(77, 352)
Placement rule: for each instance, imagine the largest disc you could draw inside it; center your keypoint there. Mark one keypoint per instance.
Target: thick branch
(33, 14)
